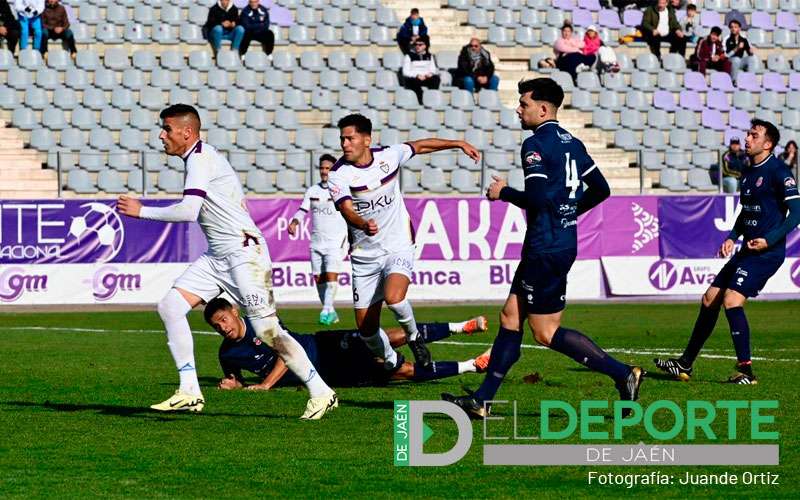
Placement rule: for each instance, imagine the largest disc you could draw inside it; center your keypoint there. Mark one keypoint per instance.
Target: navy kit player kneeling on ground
(556, 165)
(768, 190)
(340, 354)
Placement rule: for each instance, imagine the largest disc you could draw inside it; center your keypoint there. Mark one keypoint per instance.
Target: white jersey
(375, 191)
(223, 216)
(328, 227)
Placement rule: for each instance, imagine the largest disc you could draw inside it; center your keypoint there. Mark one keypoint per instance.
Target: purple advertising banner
(85, 231)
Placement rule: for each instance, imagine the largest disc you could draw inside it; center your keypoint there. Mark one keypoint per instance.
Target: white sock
(292, 353)
(405, 316)
(173, 309)
(456, 327)
(467, 366)
(380, 347)
(390, 354)
(321, 287)
(329, 295)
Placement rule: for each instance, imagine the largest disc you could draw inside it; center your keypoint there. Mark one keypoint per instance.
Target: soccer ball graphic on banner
(102, 221)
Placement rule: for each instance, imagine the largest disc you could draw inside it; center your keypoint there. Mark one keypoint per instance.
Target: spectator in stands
(419, 68)
(56, 27)
(30, 20)
(255, 21)
(677, 4)
(659, 24)
(789, 156)
(475, 67)
(738, 16)
(689, 24)
(569, 53)
(738, 50)
(594, 46)
(9, 26)
(413, 27)
(223, 23)
(709, 53)
(734, 161)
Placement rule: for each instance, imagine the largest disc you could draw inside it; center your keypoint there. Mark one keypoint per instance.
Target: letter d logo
(410, 433)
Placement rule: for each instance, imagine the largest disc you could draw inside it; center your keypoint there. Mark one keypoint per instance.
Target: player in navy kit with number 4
(556, 165)
(768, 190)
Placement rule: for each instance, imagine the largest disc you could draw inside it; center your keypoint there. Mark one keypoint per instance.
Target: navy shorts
(343, 360)
(541, 282)
(747, 273)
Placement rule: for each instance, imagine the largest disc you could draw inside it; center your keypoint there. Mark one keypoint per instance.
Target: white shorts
(245, 275)
(327, 260)
(369, 275)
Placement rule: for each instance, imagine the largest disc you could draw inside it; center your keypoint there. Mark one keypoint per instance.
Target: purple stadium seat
(735, 133)
(610, 19)
(693, 80)
(582, 17)
(721, 81)
(593, 5)
(739, 119)
(710, 18)
(774, 81)
(690, 99)
(717, 99)
(632, 18)
(747, 81)
(712, 118)
(564, 4)
(762, 20)
(663, 99)
(786, 20)
(794, 81)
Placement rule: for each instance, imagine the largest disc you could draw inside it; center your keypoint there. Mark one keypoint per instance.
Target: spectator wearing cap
(659, 24)
(223, 24)
(255, 21)
(594, 46)
(9, 26)
(475, 67)
(412, 28)
(419, 68)
(739, 51)
(30, 21)
(569, 53)
(56, 27)
(734, 161)
(709, 53)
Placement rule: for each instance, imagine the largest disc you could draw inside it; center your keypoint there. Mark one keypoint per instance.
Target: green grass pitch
(74, 418)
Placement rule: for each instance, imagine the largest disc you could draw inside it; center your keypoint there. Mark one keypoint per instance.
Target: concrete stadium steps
(22, 173)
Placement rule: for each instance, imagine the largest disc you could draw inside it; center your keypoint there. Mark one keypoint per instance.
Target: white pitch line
(648, 352)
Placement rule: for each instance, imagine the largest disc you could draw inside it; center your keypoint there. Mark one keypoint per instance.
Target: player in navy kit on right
(556, 165)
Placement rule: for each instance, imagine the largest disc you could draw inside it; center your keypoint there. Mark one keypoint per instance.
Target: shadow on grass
(125, 411)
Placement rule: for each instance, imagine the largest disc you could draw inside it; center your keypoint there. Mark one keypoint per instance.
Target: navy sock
(431, 332)
(703, 326)
(740, 332)
(437, 369)
(581, 348)
(505, 352)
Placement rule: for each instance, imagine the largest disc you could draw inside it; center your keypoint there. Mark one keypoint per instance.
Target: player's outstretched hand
(757, 244)
(497, 185)
(470, 151)
(229, 383)
(371, 227)
(257, 387)
(726, 249)
(129, 206)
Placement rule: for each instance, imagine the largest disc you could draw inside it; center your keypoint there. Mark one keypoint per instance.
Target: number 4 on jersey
(572, 181)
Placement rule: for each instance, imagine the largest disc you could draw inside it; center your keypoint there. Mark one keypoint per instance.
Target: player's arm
(433, 144)
(339, 188)
(785, 184)
(187, 210)
(233, 376)
(272, 378)
(596, 190)
(298, 217)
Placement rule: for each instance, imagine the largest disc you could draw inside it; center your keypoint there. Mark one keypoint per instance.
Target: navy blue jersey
(555, 155)
(254, 355)
(765, 190)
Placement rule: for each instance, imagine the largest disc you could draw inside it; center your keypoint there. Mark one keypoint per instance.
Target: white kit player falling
(328, 239)
(365, 185)
(237, 262)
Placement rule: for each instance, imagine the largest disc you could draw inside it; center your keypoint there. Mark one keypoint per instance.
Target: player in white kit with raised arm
(237, 262)
(365, 185)
(328, 239)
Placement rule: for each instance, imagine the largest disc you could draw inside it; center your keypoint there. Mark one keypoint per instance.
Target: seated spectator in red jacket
(710, 54)
(55, 26)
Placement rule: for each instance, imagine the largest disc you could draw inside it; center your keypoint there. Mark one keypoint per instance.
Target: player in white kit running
(237, 262)
(365, 185)
(328, 239)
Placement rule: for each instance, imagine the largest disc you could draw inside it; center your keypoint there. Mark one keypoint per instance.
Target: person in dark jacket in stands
(475, 67)
(412, 28)
(9, 26)
(659, 24)
(223, 24)
(255, 21)
(55, 26)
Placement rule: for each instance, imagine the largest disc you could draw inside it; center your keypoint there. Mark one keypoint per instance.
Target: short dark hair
(734, 21)
(543, 89)
(360, 122)
(327, 157)
(566, 24)
(214, 305)
(691, 6)
(771, 131)
(415, 10)
(716, 30)
(179, 110)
